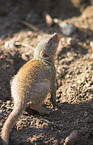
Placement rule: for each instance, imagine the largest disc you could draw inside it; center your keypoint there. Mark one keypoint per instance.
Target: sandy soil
(74, 64)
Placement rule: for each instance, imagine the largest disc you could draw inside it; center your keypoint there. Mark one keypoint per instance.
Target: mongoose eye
(50, 43)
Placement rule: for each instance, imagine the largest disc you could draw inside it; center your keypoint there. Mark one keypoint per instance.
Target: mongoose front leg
(53, 87)
(53, 96)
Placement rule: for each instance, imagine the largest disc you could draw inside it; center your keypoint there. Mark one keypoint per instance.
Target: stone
(67, 29)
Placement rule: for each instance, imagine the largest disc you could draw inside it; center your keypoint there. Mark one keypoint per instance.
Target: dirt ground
(74, 64)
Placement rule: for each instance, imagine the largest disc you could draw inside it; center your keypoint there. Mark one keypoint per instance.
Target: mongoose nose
(56, 36)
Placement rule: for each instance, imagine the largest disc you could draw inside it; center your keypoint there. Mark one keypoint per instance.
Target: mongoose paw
(56, 105)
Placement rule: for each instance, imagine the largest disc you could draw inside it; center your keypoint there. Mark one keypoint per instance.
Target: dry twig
(24, 44)
(52, 123)
(28, 25)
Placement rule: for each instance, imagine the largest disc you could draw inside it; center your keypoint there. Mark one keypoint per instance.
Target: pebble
(1, 111)
(67, 29)
(72, 138)
(1, 101)
(91, 44)
(8, 102)
(1, 124)
(86, 114)
(9, 44)
(49, 20)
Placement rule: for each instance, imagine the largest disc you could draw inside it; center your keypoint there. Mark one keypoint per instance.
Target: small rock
(6, 44)
(72, 138)
(24, 57)
(49, 20)
(9, 44)
(56, 21)
(1, 101)
(91, 44)
(8, 102)
(67, 29)
(86, 114)
(1, 111)
(1, 124)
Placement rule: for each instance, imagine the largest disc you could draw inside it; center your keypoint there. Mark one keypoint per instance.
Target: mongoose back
(33, 82)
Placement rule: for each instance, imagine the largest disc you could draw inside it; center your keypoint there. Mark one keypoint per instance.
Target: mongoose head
(46, 48)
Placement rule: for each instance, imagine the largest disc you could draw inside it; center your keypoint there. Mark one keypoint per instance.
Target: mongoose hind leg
(41, 89)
